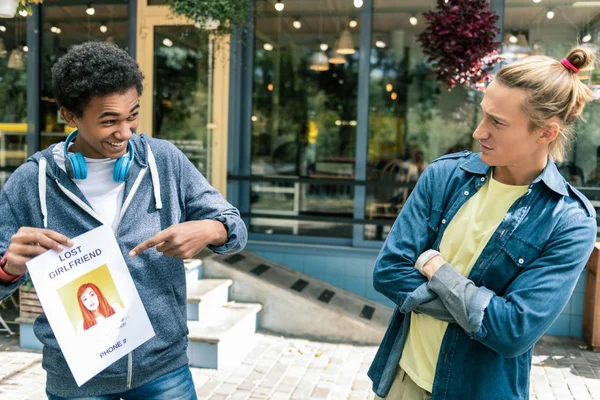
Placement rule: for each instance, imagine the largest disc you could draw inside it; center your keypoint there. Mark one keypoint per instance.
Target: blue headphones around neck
(77, 169)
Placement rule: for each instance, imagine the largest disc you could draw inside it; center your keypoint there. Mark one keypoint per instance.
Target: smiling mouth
(116, 144)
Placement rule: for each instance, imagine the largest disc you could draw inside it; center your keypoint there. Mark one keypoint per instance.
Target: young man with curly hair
(159, 206)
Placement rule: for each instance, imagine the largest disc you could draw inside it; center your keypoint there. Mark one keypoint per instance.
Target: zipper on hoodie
(124, 208)
(129, 369)
(130, 354)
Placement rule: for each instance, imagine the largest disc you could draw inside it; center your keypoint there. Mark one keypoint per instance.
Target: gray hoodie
(164, 188)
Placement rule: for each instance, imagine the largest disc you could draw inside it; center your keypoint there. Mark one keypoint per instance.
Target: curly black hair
(93, 69)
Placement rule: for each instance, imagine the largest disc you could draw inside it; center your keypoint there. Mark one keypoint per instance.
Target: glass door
(183, 69)
(182, 91)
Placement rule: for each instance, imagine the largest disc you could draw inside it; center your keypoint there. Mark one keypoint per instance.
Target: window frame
(240, 133)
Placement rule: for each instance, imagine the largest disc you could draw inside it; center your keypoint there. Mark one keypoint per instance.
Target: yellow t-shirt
(461, 245)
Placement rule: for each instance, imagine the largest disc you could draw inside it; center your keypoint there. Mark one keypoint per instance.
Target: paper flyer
(91, 302)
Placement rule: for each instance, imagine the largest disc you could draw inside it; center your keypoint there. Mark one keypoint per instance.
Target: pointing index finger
(149, 243)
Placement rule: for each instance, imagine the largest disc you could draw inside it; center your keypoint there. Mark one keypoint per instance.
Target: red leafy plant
(460, 42)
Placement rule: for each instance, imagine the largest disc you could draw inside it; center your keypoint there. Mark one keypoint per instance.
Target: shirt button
(521, 261)
(466, 192)
(443, 221)
(482, 179)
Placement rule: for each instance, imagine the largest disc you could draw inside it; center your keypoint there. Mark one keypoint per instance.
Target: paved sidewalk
(563, 368)
(280, 368)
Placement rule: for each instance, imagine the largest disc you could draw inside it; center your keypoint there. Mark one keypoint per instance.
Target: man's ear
(550, 132)
(69, 117)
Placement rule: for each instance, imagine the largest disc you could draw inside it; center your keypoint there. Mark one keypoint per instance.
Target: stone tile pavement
(281, 368)
(563, 368)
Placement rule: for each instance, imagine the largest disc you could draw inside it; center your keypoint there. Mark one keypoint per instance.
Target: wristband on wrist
(5, 277)
(424, 258)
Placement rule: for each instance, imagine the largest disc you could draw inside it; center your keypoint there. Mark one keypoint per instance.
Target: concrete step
(328, 312)
(205, 297)
(193, 269)
(225, 339)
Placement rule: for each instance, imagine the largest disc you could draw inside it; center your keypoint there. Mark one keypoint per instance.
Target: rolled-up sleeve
(512, 324)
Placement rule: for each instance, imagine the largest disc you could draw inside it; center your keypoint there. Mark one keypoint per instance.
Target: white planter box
(8, 8)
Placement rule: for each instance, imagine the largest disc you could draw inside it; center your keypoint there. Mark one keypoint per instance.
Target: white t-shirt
(104, 195)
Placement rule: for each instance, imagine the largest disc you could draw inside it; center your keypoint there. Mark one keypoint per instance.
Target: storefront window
(306, 65)
(13, 94)
(305, 107)
(65, 25)
(413, 119)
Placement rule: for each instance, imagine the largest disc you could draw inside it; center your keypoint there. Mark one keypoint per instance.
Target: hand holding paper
(91, 302)
(185, 240)
(28, 243)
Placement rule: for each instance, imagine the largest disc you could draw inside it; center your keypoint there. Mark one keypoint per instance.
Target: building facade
(315, 119)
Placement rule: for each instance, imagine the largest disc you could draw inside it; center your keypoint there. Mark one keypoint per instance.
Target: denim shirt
(522, 280)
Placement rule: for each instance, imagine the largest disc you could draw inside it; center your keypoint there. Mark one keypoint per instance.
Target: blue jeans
(176, 385)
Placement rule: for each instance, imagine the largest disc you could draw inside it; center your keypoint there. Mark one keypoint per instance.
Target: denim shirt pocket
(521, 252)
(515, 256)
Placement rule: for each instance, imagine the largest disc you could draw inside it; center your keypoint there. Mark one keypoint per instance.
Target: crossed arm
(509, 325)
(512, 324)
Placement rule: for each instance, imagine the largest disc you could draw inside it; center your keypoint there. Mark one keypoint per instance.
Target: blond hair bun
(580, 57)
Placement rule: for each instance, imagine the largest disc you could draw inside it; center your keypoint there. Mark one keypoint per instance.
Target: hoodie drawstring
(155, 178)
(42, 190)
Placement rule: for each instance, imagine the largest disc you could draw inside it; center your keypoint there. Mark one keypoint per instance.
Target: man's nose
(481, 132)
(124, 132)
